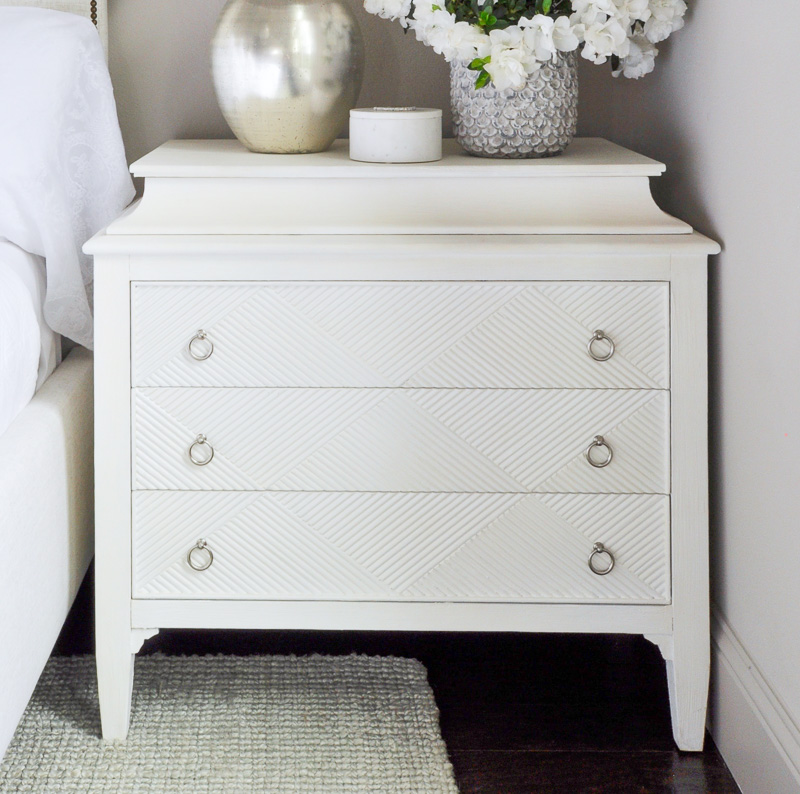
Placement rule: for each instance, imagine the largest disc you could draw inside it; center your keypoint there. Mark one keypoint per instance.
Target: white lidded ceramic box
(396, 135)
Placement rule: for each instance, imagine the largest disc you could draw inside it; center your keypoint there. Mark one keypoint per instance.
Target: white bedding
(63, 174)
(29, 349)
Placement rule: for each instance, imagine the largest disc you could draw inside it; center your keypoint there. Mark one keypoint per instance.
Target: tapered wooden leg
(112, 456)
(115, 685)
(688, 658)
(688, 700)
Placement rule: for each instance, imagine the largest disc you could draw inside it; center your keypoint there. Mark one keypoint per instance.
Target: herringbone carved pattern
(481, 440)
(409, 547)
(431, 334)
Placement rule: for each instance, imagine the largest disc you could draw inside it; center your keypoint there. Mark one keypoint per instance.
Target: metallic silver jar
(538, 120)
(287, 72)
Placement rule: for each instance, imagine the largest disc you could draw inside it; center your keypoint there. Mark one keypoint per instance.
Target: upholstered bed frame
(46, 500)
(96, 10)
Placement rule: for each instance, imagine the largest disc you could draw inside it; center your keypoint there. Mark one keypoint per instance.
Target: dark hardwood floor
(521, 714)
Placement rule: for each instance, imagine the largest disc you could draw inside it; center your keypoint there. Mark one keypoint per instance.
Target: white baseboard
(754, 732)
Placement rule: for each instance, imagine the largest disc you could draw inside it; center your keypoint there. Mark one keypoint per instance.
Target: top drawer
(395, 334)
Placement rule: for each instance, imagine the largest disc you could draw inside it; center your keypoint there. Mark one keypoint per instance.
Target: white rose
(389, 9)
(604, 40)
(537, 33)
(510, 62)
(628, 11)
(640, 60)
(666, 16)
(565, 37)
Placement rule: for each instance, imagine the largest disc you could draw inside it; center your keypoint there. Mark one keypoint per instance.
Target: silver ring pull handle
(592, 347)
(201, 458)
(200, 346)
(599, 443)
(200, 556)
(598, 550)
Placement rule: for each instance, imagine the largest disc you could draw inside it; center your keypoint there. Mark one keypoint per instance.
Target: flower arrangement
(505, 41)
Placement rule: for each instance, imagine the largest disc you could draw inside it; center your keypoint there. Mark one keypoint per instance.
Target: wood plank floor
(521, 714)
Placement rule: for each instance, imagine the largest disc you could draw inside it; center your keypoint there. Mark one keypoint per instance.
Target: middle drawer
(403, 440)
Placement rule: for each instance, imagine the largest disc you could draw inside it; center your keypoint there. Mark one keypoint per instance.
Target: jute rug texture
(282, 724)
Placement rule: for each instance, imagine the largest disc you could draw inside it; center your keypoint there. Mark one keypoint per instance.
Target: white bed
(65, 180)
(29, 349)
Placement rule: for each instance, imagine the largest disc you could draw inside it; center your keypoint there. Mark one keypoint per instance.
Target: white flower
(621, 29)
(431, 27)
(590, 12)
(440, 31)
(389, 9)
(537, 35)
(666, 17)
(640, 60)
(423, 11)
(511, 62)
(628, 11)
(565, 37)
(466, 42)
(603, 40)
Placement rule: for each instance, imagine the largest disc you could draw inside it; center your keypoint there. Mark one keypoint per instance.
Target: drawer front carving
(470, 440)
(400, 547)
(401, 334)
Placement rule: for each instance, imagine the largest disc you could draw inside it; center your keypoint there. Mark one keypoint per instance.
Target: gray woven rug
(281, 724)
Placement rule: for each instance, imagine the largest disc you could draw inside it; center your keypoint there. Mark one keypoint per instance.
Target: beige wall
(159, 57)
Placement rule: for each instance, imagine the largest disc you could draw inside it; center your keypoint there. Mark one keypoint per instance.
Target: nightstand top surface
(229, 158)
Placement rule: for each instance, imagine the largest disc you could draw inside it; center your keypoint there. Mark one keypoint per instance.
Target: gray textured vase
(287, 72)
(538, 120)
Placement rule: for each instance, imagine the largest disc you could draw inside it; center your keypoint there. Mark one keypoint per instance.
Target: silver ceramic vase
(538, 120)
(287, 72)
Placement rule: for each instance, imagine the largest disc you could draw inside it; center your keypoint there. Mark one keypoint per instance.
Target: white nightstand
(335, 395)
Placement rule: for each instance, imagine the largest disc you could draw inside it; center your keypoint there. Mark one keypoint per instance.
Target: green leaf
(487, 18)
(546, 6)
(483, 78)
(479, 63)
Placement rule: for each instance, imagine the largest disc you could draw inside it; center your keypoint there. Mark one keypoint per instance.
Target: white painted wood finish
(112, 455)
(452, 440)
(401, 616)
(443, 335)
(401, 546)
(400, 421)
(688, 668)
(591, 157)
(234, 191)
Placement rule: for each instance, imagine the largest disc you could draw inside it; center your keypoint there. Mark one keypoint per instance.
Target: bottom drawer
(400, 546)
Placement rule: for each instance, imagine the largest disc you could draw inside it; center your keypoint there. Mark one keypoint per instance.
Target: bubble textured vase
(538, 120)
(287, 73)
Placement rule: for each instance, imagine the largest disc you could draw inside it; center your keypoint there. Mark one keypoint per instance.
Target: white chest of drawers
(333, 395)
